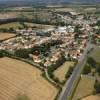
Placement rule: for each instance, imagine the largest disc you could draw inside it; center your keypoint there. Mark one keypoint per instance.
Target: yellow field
(4, 36)
(11, 25)
(18, 77)
(84, 88)
(92, 97)
(62, 70)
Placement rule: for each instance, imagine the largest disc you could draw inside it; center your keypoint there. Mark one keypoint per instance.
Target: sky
(58, 1)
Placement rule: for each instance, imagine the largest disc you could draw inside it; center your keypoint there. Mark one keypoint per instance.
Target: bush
(69, 72)
(23, 53)
(97, 87)
(98, 68)
(4, 53)
(87, 69)
(91, 61)
(22, 97)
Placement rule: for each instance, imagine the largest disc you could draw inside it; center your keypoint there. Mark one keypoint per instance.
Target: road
(68, 88)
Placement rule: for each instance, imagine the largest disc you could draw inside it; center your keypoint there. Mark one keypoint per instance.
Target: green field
(60, 73)
(96, 54)
(84, 88)
(39, 26)
(13, 25)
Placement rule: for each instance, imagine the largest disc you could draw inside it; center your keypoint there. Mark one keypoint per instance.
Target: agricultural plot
(14, 25)
(96, 54)
(4, 36)
(62, 70)
(8, 15)
(19, 78)
(84, 88)
(39, 26)
(64, 9)
(92, 97)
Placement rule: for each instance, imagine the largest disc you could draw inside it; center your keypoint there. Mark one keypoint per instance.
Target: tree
(23, 53)
(87, 69)
(69, 72)
(1, 54)
(98, 67)
(91, 61)
(4, 53)
(97, 87)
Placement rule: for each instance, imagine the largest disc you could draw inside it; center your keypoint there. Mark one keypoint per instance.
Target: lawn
(4, 36)
(92, 97)
(96, 54)
(62, 70)
(84, 88)
(18, 78)
(11, 25)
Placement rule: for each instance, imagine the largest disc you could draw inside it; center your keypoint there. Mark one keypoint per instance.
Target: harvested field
(7, 15)
(18, 77)
(62, 70)
(92, 97)
(4, 36)
(84, 88)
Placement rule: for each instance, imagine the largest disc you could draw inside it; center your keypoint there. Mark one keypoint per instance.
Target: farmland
(11, 25)
(92, 97)
(20, 78)
(84, 88)
(16, 25)
(62, 70)
(4, 36)
(38, 26)
(64, 9)
(96, 54)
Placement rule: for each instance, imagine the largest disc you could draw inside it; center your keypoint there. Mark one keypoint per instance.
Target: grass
(92, 97)
(84, 88)
(21, 97)
(64, 9)
(62, 70)
(17, 77)
(4, 36)
(11, 25)
(96, 54)
(38, 26)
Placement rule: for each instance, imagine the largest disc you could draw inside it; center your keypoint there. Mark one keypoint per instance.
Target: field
(64, 9)
(96, 54)
(7, 15)
(4, 36)
(62, 70)
(38, 26)
(92, 97)
(19, 78)
(84, 88)
(11, 25)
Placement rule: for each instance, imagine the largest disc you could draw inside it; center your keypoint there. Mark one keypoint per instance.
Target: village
(69, 40)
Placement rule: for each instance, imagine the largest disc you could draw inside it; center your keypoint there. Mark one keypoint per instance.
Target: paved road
(68, 88)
